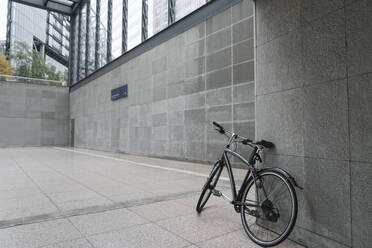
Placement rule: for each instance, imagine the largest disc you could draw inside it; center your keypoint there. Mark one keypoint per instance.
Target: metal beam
(71, 51)
(57, 7)
(56, 55)
(144, 30)
(9, 28)
(109, 30)
(97, 46)
(51, 5)
(79, 46)
(171, 11)
(87, 46)
(124, 30)
(47, 29)
(59, 2)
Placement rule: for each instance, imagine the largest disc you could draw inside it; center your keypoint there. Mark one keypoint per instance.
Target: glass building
(103, 30)
(45, 31)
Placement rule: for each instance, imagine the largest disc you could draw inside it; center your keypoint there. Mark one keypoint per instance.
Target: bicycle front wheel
(209, 186)
(273, 220)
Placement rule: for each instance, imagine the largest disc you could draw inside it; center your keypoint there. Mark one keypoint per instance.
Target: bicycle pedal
(216, 193)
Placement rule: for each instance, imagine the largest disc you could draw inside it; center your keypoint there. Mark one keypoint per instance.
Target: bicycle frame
(250, 174)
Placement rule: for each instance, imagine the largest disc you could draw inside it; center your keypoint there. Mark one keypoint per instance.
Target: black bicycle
(266, 199)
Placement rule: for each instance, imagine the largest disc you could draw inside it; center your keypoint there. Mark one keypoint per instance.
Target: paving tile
(213, 202)
(117, 189)
(162, 210)
(209, 224)
(36, 235)
(131, 197)
(72, 196)
(239, 239)
(148, 235)
(78, 204)
(234, 240)
(24, 202)
(38, 209)
(19, 193)
(16, 186)
(78, 243)
(106, 221)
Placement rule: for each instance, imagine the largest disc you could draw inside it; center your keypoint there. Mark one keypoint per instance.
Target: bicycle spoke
(272, 183)
(272, 192)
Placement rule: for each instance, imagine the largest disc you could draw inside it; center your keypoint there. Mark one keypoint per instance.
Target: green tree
(39, 68)
(65, 75)
(30, 63)
(21, 56)
(52, 73)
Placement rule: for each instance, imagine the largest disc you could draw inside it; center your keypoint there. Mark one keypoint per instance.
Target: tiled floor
(57, 197)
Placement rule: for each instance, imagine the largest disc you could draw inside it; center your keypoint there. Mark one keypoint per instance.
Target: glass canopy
(66, 7)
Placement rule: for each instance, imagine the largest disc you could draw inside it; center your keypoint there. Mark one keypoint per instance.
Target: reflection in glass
(82, 38)
(134, 23)
(117, 24)
(92, 35)
(158, 16)
(185, 7)
(103, 34)
(75, 51)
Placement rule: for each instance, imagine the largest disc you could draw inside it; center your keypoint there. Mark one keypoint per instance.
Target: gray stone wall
(175, 91)
(314, 101)
(33, 115)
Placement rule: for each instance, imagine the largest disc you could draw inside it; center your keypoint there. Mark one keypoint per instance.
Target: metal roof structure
(66, 7)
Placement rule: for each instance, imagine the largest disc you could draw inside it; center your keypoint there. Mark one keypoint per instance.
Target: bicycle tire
(204, 196)
(265, 225)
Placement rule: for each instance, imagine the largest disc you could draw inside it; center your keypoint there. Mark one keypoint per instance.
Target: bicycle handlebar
(221, 130)
(244, 141)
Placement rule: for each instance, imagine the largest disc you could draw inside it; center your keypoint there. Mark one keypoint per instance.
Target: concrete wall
(175, 91)
(314, 101)
(33, 115)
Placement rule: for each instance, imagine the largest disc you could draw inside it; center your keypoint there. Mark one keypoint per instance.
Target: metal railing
(18, 79)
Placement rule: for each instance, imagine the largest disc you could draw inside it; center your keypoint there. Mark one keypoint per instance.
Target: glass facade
(159, 15)
(91, 36)
(82, 39)
(47, 32)
(106, 29)
(117, 26)
(134, 23)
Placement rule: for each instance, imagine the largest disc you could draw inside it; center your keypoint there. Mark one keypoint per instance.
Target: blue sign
(120, 92)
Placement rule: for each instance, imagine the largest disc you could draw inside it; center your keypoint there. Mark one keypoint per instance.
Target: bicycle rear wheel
(274, 219)
(209, 186)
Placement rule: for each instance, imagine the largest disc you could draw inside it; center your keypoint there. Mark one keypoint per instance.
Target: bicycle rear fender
(285, 173)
